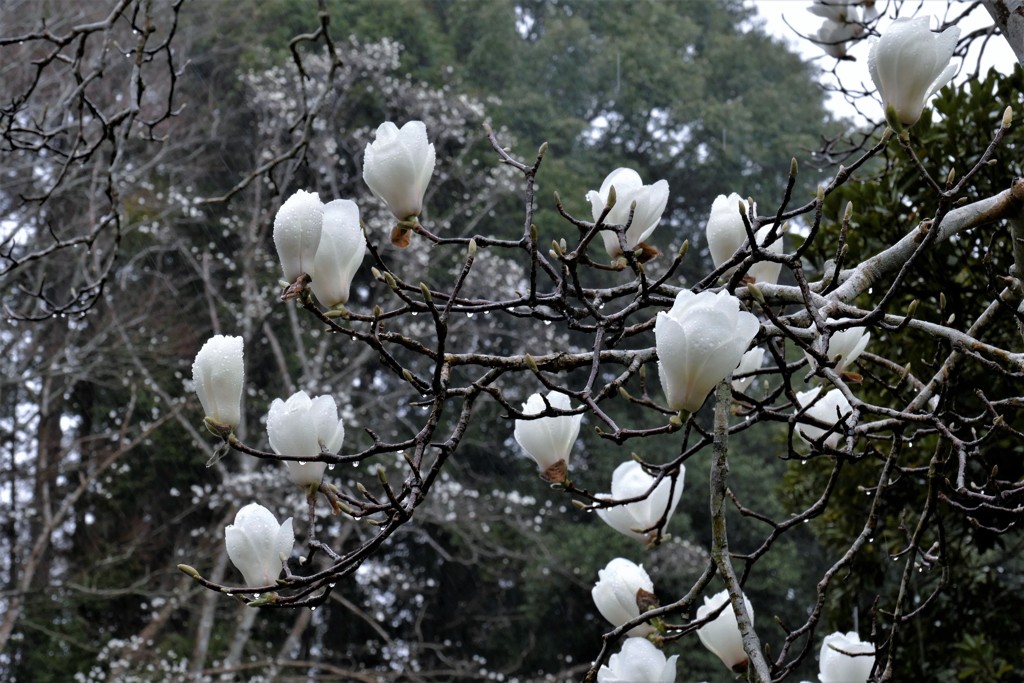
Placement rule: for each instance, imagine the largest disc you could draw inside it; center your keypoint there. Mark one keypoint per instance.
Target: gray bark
(1008, 16)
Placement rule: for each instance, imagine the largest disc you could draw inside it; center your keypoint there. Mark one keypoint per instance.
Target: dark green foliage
(971, 630)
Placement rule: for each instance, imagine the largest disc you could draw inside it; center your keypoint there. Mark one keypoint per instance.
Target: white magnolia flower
(617, 590)
(700, 341)
(638, 660)
(650, 205)
(257, 545)
(397, 167)
(722, 636)
(341, 251)
(297, 228)
(909, 64)
(628, 481)
(305, 426)
(837, 10)
(217, 375)
(726, 233)
(766, 271)
(836, 665)
(830, 409)
(833, 36)
(724, 230)
(845, 346)
(750, 361)
(548, 440)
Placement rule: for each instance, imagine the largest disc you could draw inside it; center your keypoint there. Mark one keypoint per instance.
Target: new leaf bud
(531, 363)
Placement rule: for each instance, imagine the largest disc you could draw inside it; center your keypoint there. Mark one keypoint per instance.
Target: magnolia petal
(297, 228)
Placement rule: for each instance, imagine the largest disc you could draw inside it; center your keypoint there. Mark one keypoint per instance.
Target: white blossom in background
(836, 665)
(619, 585)
(297, 228)
(725, 233)
(724, 230)
(699, 342)
(651, 201)
(629, 480)
(909, 63)
(766, 272)
(218, 374)
(397, 167)
(305, 427)
(638, 660)
(834, 37)
(340, 253)
(845, 346)
(750, 361)
(257, 545)
(548, 440)
(843, 22)
(722, 636)
(830, 409)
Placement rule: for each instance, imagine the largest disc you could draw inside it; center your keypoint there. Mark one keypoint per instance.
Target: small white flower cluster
(326, 243)
(119, 662)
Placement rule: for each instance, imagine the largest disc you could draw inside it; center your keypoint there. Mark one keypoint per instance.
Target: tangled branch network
(797, 356)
